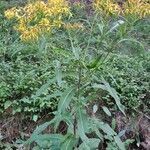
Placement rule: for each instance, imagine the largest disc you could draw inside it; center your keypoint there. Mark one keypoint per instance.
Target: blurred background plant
(129, 8)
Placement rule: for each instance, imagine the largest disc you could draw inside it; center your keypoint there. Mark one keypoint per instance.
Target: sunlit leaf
(106, 110)
(65, 99)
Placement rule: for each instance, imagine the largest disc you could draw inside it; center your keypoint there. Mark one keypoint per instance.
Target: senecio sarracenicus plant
(138, 8)
(36, 18)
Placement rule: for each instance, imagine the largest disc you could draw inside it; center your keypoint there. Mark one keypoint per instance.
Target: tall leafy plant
(78, 86)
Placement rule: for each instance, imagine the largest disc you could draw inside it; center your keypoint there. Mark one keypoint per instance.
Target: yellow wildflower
(35, 18)
(139, 8)
(10, 13)
(108, 7)
(30, 34)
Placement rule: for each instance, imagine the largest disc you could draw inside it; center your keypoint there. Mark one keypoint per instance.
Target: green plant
(130, 77)
(80, 126)
(78, 84)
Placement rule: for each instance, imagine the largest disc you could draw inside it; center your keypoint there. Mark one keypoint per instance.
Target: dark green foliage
(130, 77)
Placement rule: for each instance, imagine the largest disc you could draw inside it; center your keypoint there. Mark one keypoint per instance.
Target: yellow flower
(108, 7)
(30, 34)
(44, 25)
(10, 13)
(21, 27)
(35, 18)
(57, 23)
(44, 22)
(139, 8)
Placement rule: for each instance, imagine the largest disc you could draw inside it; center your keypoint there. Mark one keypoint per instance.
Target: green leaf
(69, 142)
(60, 51)
(121, 133)
(95, 63)
(134, 41)
(113, 123)
(90, 144)
(107, 129)
(97, 132)
(115, 26)
(95, 108)
(37, 131)
(82, 125)
(43, 88)
(93, 143)
(7, 104)
(65, 99)
(98, 86)
(119, 143)
(76, 52)
(35, 118)
(101, 27)
(106, 110)
(58, 72)
(104, 127)
(65, 116)
(113, 93)
(42, 127)
(84, 146)
(51, 141)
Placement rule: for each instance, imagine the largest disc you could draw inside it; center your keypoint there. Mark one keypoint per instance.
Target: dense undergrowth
(81, 68)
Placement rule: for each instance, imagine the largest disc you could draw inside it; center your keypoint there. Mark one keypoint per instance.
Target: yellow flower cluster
(108, 7)
(36, 18)
(140, 8)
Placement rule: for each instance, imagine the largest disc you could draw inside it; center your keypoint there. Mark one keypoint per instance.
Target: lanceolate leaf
(107, 129)
(43, 88)
(65, 116)
(82, 124)
(104, 127)
(42, 127)
(58, 72)
(106, 110)
(84, 146)
(50, 141)
(119, 143)
(69, 142)
(65, 99)
(91, 144)
(113, 93)
(37, 131)
(134, 41)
